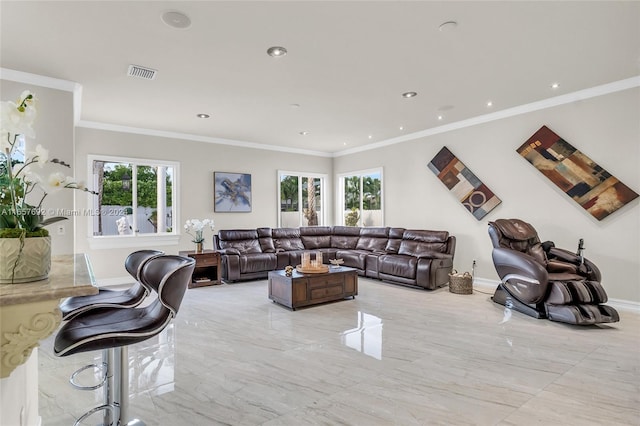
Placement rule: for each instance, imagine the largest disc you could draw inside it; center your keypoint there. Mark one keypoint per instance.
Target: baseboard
(620, 304)
(625, 305)
(485, 283)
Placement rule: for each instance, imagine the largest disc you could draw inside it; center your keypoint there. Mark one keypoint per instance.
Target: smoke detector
(141, 72)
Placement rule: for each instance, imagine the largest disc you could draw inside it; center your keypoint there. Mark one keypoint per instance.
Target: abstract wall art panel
(232, 192)
(463, 184)
(591, 186)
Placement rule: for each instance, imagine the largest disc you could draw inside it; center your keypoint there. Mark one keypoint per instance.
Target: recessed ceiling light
(409, 94)
(489, 103)
(344, 143)
(440, 117)
(176, 19)
(401, 127)
(304, 133)
(370, 137)
(555, 85)
(448, 26)
(203, 115)
(276, 51)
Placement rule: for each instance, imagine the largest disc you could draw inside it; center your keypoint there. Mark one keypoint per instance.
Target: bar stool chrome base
(116, 392)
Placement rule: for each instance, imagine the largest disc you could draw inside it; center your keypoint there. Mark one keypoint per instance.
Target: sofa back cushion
(373, 239)
(345, 237)
(395, 238)
(244, 240)
(266, 241)
(418, 242)
(287, 239)
(315, 237)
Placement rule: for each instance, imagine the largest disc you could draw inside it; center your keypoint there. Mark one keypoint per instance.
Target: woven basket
(460, 283)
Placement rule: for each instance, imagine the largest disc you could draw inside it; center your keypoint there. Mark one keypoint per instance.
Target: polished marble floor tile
(392, 356)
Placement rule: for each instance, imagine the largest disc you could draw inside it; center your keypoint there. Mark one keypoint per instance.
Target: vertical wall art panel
(591, 186)
(464, 185)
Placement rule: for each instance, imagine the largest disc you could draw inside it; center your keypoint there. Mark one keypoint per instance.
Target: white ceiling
(347, 66)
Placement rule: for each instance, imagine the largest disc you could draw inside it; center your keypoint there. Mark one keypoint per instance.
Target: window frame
(340, 191)
(135, 239)
(323, 194)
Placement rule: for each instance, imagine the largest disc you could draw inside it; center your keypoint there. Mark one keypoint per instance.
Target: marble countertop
(70, 275)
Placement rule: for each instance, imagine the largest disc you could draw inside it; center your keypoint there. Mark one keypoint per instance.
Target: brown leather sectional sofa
(419, 258)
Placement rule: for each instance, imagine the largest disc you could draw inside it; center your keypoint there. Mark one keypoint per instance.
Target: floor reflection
(366, 337)
(151, 367)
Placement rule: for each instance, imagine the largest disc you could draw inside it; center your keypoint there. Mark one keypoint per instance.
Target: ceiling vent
(141, 72)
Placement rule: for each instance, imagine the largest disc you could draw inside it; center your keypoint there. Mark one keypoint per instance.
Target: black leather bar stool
(113, 329)
(129, 298)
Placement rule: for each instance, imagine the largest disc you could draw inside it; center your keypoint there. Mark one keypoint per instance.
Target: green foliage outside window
(113, 193)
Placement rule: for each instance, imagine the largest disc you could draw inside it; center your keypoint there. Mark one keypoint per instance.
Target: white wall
(54, 131)
(198, 161)
(605, 128)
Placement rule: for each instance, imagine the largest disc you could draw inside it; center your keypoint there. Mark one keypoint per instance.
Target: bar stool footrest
(102, 366)
(95, 410)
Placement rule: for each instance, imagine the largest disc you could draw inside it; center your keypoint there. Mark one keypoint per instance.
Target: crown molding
(197, 138)
(604, 89)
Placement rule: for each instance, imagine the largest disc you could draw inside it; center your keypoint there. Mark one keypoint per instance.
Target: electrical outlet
(61, 229)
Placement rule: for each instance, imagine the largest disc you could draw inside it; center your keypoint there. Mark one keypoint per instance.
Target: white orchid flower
(41, 155)
(17, 118)
(56, 181)
(31, 177)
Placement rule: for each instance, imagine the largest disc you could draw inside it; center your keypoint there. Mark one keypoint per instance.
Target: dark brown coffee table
(311, 289)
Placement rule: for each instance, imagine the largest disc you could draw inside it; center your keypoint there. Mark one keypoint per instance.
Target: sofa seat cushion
(257, 262)
(398, 265)
(353, 258)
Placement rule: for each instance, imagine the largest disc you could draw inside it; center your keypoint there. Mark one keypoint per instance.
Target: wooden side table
(207, 270)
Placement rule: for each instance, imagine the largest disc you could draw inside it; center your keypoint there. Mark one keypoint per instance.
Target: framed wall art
(578, 176)
(463, 184)
(232, 192)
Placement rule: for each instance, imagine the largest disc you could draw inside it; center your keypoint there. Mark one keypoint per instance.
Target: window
(301, 198)
(361, 198)
(136, 201)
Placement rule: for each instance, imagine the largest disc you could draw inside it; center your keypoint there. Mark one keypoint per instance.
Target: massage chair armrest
(523, 277)
(510, 262)
(590, 270)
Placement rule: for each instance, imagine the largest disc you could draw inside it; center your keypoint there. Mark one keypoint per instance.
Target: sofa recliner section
(419, 258)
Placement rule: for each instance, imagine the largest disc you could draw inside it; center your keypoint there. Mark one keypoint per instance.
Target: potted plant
(25, 245)
(195, 228)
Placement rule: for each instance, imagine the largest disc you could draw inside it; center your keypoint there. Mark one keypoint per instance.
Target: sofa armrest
(434, 255)
(230, 251)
